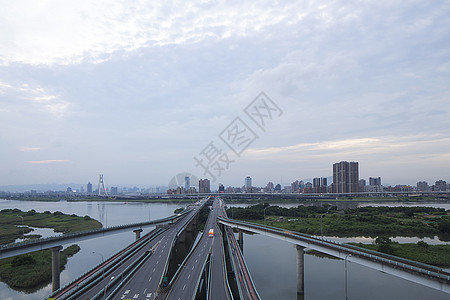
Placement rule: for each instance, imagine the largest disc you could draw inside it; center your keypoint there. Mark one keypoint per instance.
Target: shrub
(422, 244)
(22, 260)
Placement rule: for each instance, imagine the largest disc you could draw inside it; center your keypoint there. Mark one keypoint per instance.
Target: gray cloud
(136, 90)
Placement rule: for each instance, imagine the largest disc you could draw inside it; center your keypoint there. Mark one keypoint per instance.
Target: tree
(384, 245)
(444, 226)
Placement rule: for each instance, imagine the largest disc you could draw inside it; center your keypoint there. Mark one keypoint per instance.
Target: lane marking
(154, 270)
(184, 287)
(150, 279)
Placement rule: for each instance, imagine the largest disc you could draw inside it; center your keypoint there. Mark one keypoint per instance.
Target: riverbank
(363, 221)
(14, 223)
(436, 255)
(28, 272)
(360, 221)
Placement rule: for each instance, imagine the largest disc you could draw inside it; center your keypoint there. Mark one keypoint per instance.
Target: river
(272, 263)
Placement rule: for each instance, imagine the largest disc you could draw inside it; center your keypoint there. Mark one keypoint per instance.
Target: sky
(141, 91)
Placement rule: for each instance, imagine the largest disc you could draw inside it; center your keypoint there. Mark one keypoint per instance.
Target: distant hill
(40, 187)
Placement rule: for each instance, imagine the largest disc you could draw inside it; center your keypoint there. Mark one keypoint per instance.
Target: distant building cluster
(204, 186)
(345, 179)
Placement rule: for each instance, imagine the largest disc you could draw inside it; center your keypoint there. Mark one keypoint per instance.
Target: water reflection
(272, 264)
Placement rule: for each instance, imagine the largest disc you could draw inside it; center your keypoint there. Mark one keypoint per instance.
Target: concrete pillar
(138, 233)
(55, 268)
(300, 270)
(241, 240)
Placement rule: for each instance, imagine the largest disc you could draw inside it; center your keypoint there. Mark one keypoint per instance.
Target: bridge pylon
(101, 186)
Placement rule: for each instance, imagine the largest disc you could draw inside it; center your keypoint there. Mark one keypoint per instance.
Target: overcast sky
(137, 89)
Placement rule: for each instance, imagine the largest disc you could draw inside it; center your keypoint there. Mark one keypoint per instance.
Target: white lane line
(145, 291)
(154, 270)
(184, 287)
(150, 279)
(193, 267)
(157, 262)
(189, 276)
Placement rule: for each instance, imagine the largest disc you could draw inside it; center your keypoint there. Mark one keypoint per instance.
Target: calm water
(272, 263)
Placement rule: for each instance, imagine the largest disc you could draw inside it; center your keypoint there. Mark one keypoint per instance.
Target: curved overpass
(427, 275)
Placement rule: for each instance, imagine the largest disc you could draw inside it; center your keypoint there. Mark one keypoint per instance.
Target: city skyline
(137, 91)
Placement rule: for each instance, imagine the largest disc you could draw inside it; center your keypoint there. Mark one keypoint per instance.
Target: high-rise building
(204, 186)
(295, 187)
(440, 185)
(422, 186)
(345, 177)
(248, 182)
(187, 183)
(319, 185)
(269, 187)
(362, 184)
(114, 190)
(89, 188)
(374, 180)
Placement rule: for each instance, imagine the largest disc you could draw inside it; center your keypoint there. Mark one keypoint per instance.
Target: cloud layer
(135, 90)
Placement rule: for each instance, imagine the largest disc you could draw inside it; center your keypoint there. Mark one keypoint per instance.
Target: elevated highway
(427, 275)
(120, 275)
(186, 282)
(28, 246)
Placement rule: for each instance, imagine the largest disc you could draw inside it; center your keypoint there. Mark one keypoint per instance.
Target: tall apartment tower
(345, 177)
(89, 187)
(374, 180)
(248, 182)
(187, 183)
(204, 186)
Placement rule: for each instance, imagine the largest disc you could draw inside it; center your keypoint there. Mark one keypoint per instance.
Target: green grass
(436, 255)
(33, 269)
(363, 221)
(9, 220)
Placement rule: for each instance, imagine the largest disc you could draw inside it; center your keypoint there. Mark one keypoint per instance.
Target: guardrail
(398, 262)
(250, 289)
(81, 284)
(164, 289)
(41, 241)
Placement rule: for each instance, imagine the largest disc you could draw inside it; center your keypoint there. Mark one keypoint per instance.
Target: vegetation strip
(30, 271)
(364, 221)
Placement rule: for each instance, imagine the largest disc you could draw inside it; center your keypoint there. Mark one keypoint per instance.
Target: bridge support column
(138, 233)
(55, 268)
(300, 270)
(241, 240)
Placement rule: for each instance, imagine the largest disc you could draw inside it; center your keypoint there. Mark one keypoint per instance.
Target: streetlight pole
(104, 295)
(103, 266)
(345, 262)
(23, 228)
(321, 227)
(265, 215)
